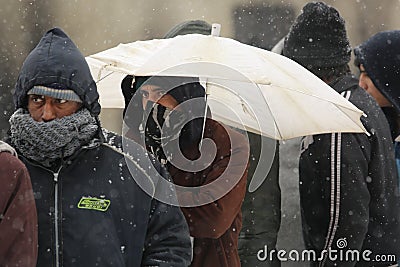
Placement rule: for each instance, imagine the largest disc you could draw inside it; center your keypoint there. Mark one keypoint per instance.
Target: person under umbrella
(161, 111)
(261, 209)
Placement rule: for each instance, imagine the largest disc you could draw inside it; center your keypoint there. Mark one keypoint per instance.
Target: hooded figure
(154, 121)
(163, 110)
(261, 227)
(56, 62)
(380, 56)
(348, 182)
(378, 59)
(181, 89)
(91, 210)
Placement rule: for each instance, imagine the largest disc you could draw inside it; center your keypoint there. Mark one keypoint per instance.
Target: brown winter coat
(18, 219)
(216, 226)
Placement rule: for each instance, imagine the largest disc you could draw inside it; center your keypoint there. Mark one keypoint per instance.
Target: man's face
(45, 108)
(157, 95)
(366, 83)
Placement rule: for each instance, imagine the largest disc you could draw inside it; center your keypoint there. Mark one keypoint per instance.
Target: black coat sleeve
(167, 242)
(354, 196)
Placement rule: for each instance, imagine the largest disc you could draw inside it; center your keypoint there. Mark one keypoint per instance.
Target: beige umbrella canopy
(247, 87)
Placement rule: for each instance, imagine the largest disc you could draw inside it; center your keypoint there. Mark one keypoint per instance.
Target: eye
(160, 93)
(37, 98)
(145, 94)
(61, 101)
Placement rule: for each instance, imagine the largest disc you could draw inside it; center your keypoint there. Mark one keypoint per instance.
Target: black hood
(181, 88)
(380, 57)
(57, 60)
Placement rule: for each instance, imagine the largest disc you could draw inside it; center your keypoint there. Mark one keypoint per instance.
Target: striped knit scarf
(47, 142)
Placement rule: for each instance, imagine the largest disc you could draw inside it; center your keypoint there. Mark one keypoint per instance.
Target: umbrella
(247, 87)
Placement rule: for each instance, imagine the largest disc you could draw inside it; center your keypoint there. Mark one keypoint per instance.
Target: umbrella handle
(204, 123)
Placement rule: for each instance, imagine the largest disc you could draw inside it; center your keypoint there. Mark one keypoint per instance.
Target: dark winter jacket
(92, 212)
(215, 226)
(348, 186)
(18, 219)
(96, 208)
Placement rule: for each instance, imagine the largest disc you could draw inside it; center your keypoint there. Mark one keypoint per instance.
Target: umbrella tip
(215, 29)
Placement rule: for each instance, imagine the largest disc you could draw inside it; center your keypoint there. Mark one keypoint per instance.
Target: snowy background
(98, 25)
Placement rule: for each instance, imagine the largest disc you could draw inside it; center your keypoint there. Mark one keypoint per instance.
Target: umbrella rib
(100, 79)
(275, 123)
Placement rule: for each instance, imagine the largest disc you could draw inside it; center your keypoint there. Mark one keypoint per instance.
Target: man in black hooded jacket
(91, 210)
(348, 182)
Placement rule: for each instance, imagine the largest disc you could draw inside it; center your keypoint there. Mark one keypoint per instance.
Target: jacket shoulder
(10, 164)
(375, 119)
(137, 165)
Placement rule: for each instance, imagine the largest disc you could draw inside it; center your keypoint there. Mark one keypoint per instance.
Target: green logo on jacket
(92, 203)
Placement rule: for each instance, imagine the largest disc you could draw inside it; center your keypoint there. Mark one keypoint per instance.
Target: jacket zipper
(57, 245)
(55, 179)
(56, 212)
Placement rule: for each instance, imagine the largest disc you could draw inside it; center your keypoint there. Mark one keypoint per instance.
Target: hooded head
(380, 56)
(56, 68)
(318, 38)
(189, 27)
(182, 89)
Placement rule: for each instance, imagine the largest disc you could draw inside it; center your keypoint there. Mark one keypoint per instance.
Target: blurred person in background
(378, 60)
(348, 182)
(18, 218)
(91, 211)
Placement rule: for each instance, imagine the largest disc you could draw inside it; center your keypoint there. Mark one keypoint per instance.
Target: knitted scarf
(48, 142)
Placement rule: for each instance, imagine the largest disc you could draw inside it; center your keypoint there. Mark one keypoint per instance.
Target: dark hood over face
(57, 60)
(380, 56)
(181, 88)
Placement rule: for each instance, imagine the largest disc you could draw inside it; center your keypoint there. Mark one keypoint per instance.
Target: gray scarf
(47, 142)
